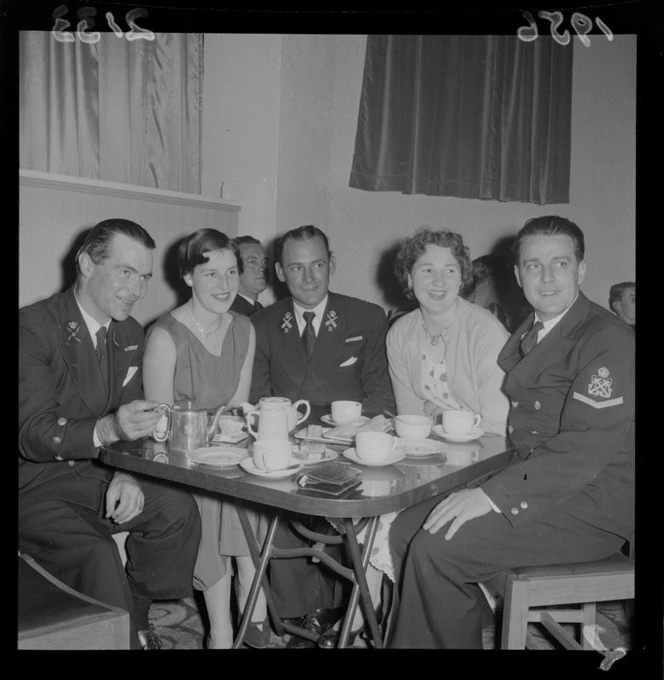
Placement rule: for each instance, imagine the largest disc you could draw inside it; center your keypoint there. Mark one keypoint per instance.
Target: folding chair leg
(589, 618)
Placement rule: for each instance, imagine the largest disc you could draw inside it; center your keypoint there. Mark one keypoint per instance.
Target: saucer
(394, 458)
(217, 456)
(413, 447)
(327, 419)
(475, 434)
(247, 464)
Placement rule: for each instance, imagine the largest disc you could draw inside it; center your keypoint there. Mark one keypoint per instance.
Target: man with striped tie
(252, 265)
(568, 496)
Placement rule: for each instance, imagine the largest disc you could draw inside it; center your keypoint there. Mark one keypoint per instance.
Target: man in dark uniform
(622, 302)
(252, 264)
(569, 495)
(319, 346)
(80, 387)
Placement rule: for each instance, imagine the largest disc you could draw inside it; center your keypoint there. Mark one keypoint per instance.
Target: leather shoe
(330, 638)
(149, 639)
(317, 621)
(258, 634)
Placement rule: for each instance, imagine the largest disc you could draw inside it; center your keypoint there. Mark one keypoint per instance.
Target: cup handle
(307, 407)
(249, 417)
(477, 421)
(162, 437)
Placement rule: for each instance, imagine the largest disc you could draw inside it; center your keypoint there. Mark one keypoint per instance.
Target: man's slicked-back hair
(193, 250)
(617, 289)
(551, 225)
(98, 240)
(308, 231)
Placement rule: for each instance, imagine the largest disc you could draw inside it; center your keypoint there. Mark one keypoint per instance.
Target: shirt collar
(548, 325)
(92, 324)
(248, 299)
(317, 310)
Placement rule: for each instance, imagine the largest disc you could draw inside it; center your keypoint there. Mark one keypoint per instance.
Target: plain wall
(289, 122)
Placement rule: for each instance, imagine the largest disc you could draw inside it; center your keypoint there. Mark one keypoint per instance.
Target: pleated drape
(468, 116)
(116, 110)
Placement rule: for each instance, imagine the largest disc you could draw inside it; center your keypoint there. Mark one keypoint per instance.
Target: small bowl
(413, 426)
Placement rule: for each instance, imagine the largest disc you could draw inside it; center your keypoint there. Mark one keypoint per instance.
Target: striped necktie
(529, 340)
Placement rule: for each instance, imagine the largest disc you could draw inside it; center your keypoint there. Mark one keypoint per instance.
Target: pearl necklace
(434, 339)
(205, 333)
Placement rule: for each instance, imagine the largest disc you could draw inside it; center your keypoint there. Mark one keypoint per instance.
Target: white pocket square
(130, 374)
(348, 362)
(355, 338)
(130, 348)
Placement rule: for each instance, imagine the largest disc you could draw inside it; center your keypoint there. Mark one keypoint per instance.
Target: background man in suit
(252, 262)
(79, 388)
(569, 494)
(622, 302)
(319, 346)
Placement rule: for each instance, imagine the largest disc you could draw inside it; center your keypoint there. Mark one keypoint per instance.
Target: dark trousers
(299, 585)
(62, 526)
(440, 602)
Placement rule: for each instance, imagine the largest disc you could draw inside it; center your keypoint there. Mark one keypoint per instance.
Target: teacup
(346, 411)
(231, 426)
(460, 422)
(374, 447)
(272, 454)
(417, 427)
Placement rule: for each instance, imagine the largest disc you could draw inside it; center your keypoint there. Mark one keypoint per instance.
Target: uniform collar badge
(73, 327)
(331, 320)
(286, 322)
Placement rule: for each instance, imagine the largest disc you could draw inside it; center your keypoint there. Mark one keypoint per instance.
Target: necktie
(529, 340)
(102, 353)
(309, 334)
(258, 306)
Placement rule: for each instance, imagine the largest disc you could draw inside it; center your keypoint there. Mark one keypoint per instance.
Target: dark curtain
(468, 116)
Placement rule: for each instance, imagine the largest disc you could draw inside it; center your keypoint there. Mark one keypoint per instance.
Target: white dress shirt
(317, 310)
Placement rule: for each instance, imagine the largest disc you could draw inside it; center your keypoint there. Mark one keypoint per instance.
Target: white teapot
(277, 417)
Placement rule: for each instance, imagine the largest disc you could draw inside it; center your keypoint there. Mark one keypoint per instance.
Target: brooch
(73, 328)
(331, 320)
(287, 322)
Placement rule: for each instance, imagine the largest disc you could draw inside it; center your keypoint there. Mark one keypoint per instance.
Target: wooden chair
(53, 616)
(531, 592)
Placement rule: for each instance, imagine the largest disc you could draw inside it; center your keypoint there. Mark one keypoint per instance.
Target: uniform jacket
(572, 422)
(348, 362)
(242, 306)
(61, 391)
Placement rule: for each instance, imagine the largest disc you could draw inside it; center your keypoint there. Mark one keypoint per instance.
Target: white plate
(395, 458)
(327, 419)
(247, 464)
(328, 456)
(302, 434)
(475, 434)
(413, 447)
(218, 456)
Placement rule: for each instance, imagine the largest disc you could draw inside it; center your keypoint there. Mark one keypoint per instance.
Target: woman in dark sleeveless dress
(204, 353)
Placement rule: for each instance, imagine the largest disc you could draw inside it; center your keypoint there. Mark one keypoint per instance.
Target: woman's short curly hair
(413, 247)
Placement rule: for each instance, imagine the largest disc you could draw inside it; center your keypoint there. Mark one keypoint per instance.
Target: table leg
(261, 561)
(360, 562)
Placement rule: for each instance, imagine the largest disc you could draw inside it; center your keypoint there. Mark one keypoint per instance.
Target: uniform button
(62, 421)
(71, 463)
(59, 458)
(510, 429)
(514, 511)
(523, 505)
(537, 405)
(534, 432)
(56, 440)
(515, 404)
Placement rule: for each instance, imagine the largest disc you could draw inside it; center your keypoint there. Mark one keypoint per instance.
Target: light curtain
(484, 117)
(116, 110)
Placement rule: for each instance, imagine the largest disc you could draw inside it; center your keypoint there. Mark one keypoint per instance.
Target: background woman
(204, 353)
